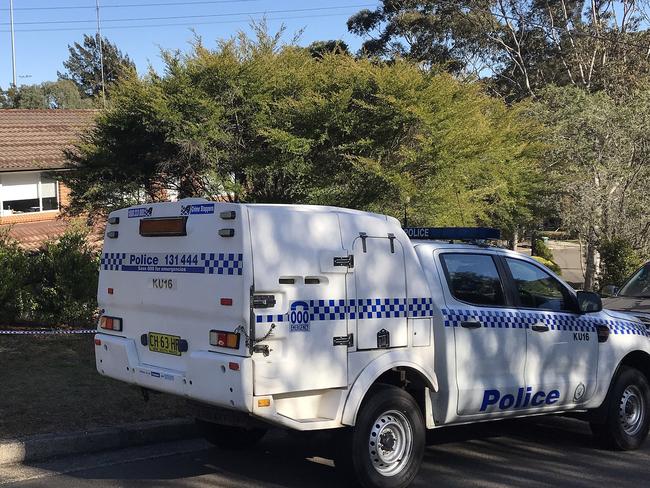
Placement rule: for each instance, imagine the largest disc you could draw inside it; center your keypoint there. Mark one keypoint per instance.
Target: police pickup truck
(314, 318)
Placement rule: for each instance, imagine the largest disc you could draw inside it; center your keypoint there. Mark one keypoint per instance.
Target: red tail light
(222, 338)
(110, 323)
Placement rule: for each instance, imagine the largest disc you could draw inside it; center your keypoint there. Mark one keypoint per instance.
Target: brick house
(31, 147)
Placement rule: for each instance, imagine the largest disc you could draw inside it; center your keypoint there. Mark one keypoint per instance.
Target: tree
(258, 121)
(62, 94)
(83, 65)
(319, 48)
(599, 160)
(523, 45)
(433, 32)
(4, 101)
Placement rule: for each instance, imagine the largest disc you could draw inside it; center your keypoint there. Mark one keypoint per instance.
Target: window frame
(629, 280)
(498, 264)
(39, 193)
(569, 294)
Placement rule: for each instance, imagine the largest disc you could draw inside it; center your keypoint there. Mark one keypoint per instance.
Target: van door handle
(540, 328)
(471, 324)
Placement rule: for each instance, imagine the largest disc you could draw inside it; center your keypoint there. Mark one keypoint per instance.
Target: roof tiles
(35, 139)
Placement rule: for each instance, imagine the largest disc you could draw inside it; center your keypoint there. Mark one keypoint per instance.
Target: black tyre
(385, 448)
(627, 412)
(228, 437)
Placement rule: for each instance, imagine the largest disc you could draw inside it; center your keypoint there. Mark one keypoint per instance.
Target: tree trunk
(514, 239)
(592, 268)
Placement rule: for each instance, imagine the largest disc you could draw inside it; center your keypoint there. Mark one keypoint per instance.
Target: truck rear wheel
(229, 437)
(628, 416)
(385, 448)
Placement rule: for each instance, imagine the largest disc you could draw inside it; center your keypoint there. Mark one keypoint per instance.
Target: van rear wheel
(229, 437)
(385, 448)
(628, 412)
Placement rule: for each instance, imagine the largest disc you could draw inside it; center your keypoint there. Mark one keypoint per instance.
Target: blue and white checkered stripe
(377, 308)
(516, 319)
(112, 261)
(223, 263)
(328, 309)
(362, 308)
(421, 307)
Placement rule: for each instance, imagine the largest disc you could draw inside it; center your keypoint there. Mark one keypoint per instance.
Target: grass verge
(50, 384)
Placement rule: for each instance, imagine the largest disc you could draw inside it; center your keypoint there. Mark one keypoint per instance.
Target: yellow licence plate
(167, 344)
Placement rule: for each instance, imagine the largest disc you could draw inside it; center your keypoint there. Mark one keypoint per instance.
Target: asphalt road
(537, 452)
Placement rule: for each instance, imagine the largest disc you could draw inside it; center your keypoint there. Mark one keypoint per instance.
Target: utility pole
(101, 53)
(13, 42)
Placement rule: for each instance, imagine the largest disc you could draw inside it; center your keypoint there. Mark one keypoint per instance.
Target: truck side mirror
(589, 301)
(609, 290)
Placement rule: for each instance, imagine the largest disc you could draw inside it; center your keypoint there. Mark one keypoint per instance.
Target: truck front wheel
(229, 437)
(385, 448)
(627, 412)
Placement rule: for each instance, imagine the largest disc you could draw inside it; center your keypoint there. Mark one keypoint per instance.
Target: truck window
(473, 278)
(536, 288)
(639, 285)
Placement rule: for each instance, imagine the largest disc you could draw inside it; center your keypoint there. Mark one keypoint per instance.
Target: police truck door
(562, 345)
(490, 346)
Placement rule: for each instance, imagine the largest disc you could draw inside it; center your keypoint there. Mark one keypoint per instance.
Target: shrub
(15, 299)
(64, 280)
(542, 250)
(618, 261)
(549, 264)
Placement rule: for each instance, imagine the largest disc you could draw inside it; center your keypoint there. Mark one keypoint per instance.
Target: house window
(27, 192)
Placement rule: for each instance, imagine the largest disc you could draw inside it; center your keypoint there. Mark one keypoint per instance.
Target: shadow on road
(531, 452)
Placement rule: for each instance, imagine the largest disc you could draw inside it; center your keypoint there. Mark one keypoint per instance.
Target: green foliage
(15, 299)
(542, 250)
(83, 65)
(319, 48)
(549, 264)
(521, 46)
(619, 260)
(61, 94)
(258, 121)
(599, 146)
(55, 285)
(65, 280)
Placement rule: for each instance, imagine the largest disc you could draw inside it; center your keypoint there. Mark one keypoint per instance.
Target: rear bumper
(209, 377)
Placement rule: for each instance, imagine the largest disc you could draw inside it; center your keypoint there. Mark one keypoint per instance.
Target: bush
(65, 274)
(618, 261)
(549, 264)
(54, 286)
(15, 299)
(542, 250)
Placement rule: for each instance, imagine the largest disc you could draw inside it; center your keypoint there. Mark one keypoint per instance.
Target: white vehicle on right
(321, 318)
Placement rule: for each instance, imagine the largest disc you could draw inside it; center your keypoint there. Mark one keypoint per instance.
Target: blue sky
(42, 35)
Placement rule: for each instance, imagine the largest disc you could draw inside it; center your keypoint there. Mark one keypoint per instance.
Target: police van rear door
(301, 326)
(176, 274)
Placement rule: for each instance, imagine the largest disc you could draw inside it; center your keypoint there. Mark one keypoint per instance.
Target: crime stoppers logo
(201, 209)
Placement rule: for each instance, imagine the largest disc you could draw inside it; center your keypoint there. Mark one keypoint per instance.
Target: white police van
(316, 318)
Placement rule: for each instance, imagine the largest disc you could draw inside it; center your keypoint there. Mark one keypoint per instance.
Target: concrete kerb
(41, 447)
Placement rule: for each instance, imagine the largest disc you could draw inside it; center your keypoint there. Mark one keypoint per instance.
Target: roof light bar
(453, 233)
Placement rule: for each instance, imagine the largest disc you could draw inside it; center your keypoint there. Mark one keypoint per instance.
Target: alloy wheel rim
(390, 443)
